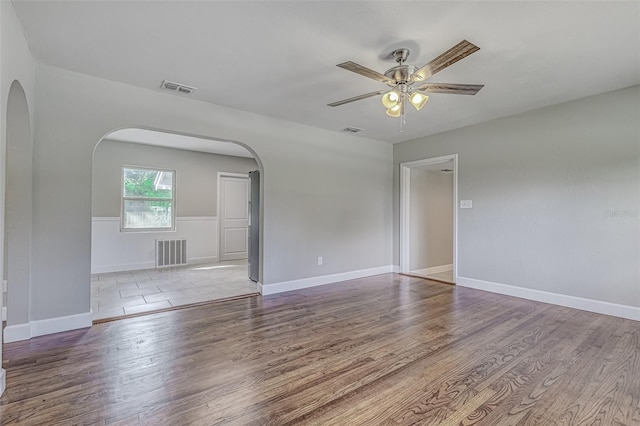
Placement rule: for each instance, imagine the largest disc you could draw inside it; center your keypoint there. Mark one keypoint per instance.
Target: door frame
(405, 210)
(220, 175)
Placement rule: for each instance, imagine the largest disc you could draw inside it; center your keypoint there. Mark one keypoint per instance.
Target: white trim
(196, 218)
(105, 219)
(17, 332)
(274, 288)
(3, 380)
(59, 324)
(123, 267)
(231, 174)
(395, 269)
(405, 200)
(148, 265)
(14, 333)
(178, 219)
(434, 269)
(591, 305)
(4, 313)
(204, 259)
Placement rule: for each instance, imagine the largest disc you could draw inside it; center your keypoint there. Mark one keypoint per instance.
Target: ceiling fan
(406, 81)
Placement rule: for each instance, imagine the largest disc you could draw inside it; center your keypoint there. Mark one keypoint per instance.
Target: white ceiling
(170, 140)
(278, 58)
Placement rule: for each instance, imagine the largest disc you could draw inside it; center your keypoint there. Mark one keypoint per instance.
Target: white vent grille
(177, 87)
(352, 129)
(171, 253)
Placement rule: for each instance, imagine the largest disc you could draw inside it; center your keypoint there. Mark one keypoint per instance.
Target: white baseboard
(597, 306)
(3, 380)
(434, 269)
(17, 332)
(122, 267)
(267, 289)
(198, 260)
(395, 269)
(14, 333)
(148, 265)
(59, 324)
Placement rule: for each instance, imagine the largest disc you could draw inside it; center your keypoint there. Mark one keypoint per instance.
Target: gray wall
(324, 193)
(544, 185)
(196, 175)
(16, 64)
(431, 238)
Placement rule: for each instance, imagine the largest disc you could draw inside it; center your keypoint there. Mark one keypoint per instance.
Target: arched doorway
(18, 210)
(155, 197)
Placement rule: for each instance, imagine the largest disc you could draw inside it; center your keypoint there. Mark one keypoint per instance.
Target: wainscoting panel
(113, 251)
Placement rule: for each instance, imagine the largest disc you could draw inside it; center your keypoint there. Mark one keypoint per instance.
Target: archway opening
(172, 222)
(18, 198)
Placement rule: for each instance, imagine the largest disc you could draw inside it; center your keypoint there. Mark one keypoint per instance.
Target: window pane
(147, 214)
(148, 183)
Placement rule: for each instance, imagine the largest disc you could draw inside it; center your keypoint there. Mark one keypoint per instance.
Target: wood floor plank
(388, 349)
(440, 379)
(520, 389)
(514, 376)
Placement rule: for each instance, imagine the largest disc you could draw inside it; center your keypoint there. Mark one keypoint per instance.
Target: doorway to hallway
(429, 218)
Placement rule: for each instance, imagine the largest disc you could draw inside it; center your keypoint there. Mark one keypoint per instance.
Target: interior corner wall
(556, 194)
(324, 193)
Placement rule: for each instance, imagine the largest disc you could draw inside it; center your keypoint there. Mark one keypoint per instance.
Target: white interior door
(234, 217)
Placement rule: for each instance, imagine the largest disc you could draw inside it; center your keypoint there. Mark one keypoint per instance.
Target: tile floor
(124, 293)
(443, 276)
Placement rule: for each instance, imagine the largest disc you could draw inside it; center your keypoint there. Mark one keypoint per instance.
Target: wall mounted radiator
(171, 253)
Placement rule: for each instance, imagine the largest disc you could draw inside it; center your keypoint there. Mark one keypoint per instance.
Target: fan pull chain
(402, 119)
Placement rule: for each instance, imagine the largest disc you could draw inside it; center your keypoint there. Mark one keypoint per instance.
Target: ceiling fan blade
(362, 70)
(452, 89)
(356, 98)
(450, 57)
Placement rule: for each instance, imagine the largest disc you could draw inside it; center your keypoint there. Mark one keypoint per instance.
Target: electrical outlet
(4, 286)
(466, 204)
(320, 261)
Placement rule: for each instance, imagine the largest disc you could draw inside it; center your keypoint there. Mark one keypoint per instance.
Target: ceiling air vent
(352, 129)
(177, 87)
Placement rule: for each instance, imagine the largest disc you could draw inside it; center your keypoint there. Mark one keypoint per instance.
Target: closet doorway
(428, 218)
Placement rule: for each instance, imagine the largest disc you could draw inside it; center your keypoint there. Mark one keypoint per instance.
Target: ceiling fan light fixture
(390, 99)
(394, 111)
(418, 100)
(401, 80)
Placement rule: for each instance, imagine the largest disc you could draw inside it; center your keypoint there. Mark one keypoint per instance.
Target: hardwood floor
(388, 349)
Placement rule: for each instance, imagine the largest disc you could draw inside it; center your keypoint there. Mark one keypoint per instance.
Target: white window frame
(123, 198)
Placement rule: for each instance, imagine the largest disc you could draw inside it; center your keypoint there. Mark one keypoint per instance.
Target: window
(148, 199)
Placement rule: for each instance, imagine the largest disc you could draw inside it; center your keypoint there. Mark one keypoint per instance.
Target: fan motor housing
(401, 73)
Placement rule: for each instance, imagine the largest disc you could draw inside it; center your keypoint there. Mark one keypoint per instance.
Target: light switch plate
(466, 204)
